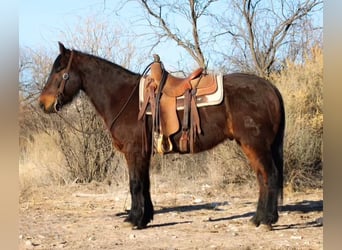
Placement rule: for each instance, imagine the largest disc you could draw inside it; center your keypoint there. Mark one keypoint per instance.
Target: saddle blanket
(202, 101)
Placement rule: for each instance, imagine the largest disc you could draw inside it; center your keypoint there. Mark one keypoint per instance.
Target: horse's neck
(108, 86)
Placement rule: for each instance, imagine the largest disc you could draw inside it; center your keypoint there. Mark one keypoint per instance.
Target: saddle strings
(156, 116)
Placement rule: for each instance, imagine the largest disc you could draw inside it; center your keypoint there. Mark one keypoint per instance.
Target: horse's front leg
(141, 212)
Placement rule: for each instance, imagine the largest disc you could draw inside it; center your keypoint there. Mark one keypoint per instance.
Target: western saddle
(161, 92)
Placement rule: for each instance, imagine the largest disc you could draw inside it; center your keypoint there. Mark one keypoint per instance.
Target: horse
(251, 113)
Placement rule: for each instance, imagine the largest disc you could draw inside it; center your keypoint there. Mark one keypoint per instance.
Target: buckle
(65, 76)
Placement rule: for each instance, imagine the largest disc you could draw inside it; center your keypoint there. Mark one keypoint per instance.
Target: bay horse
(251, 113)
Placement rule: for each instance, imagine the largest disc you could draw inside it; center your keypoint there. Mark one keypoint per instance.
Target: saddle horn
(156, 58)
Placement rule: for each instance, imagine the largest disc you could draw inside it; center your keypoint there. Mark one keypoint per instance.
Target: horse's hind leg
(261, 161)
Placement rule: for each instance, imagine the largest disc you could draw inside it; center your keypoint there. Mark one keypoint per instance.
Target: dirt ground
(197, 216)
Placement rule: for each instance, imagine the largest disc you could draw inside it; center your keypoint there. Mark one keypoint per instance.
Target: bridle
(65, 76)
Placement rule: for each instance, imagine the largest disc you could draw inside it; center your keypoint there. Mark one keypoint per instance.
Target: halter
(65, 76)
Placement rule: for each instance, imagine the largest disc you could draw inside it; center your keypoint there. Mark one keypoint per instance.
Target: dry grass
(41, 163)
(220, 167)
(302, 90)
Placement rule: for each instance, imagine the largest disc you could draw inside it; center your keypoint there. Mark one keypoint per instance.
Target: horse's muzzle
(49, 104)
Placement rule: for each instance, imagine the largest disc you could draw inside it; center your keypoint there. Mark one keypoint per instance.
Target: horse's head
(63, 83)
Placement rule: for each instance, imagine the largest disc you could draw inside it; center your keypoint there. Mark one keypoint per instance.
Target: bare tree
(34, 68)
(188, 14)
(104, 39)
(267, 31)
(252, 34)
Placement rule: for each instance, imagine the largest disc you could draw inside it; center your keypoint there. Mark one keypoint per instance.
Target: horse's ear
(62, 49)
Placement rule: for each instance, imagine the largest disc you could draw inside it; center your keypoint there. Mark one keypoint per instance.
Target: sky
(41, 22)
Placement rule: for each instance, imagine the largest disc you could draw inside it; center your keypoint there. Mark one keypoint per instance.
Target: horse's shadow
(183, 208)
(192, 208)
(304, 206)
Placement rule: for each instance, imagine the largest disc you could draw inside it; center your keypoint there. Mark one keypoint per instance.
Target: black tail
(277, 147)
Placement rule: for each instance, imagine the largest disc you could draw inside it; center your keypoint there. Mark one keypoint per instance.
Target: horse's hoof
(253, 222)
(264, 228)
(260, 226)
(127, 223)
(139, 227)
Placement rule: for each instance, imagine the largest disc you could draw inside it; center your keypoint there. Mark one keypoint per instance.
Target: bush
(302, 88)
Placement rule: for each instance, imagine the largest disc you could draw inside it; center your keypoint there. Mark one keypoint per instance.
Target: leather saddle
(163, 92)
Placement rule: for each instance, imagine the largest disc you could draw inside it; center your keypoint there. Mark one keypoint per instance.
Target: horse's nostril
(41, 105)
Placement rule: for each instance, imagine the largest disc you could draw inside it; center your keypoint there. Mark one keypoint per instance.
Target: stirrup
(162, 146)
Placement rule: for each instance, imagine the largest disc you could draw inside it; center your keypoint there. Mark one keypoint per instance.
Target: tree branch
(168, 31)
(200, 58)
(195, 11)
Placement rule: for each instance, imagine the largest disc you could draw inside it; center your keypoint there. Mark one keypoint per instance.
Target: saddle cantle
(162, 94)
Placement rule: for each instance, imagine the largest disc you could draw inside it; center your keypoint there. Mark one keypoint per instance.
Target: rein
(146, 70)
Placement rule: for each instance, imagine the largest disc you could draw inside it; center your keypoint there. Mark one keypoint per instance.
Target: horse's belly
(214, 128)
